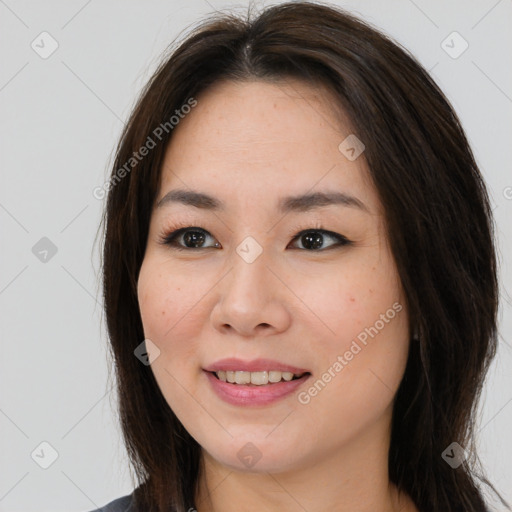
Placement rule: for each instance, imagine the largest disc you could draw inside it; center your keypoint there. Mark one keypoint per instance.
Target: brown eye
(188, 238)
(313, 239)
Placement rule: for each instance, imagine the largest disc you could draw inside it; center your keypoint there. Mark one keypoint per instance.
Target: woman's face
(240, 292)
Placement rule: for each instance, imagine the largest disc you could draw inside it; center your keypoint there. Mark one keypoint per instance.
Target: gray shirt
(123, 504)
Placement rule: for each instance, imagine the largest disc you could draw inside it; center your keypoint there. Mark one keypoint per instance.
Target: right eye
(191, 238)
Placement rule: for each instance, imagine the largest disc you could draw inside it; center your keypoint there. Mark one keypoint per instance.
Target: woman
(299, 275)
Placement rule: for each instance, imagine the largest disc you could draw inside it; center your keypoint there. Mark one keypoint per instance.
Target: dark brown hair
(438, 220)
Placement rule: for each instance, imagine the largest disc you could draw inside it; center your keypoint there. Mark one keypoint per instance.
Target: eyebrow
(299, 203)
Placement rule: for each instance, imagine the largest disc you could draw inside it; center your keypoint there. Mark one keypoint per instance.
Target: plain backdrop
(61, 115)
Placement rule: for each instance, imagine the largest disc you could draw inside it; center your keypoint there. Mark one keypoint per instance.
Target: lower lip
(243, 394)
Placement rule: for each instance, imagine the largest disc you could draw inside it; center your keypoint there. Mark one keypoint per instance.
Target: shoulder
(123, 504)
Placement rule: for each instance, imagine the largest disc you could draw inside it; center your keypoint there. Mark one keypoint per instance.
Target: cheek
(360, 366)
(353, 298)
(154, 294)
(169, 306)
(365, 329)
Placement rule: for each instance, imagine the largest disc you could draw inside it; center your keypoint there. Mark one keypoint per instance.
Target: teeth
(256, 378)
(274, 376)
(259, 378)
(243, 377)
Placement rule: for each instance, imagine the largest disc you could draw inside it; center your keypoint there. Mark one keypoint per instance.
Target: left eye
(313, 239)
(195, 237)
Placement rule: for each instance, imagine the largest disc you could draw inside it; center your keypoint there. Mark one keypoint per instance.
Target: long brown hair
(438, 219)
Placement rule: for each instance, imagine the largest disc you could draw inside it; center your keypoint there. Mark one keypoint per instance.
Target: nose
(251, 300)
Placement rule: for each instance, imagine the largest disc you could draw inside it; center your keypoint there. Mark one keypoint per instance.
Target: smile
(252, 389)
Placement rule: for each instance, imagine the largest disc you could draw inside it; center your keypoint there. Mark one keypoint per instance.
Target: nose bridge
(249, 273)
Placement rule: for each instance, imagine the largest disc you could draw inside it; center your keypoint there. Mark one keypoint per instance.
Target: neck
(353, 478)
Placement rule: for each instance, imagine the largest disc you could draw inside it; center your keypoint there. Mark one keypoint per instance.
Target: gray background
(60, 119)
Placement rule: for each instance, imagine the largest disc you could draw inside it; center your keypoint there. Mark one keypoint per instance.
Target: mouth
(261, 378)
(259, 382)
(244, 393)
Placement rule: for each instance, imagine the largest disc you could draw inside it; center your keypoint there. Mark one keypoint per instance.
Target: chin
(256, 454)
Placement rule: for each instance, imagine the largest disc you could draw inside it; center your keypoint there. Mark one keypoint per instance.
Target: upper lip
(256, 365)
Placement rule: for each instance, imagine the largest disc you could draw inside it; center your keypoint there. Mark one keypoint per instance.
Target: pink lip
(256, 365)
(249, 394)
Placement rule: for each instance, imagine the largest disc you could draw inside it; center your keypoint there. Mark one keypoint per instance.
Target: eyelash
(169, 239)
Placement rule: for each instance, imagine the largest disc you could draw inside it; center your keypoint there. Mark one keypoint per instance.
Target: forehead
(250, 141)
